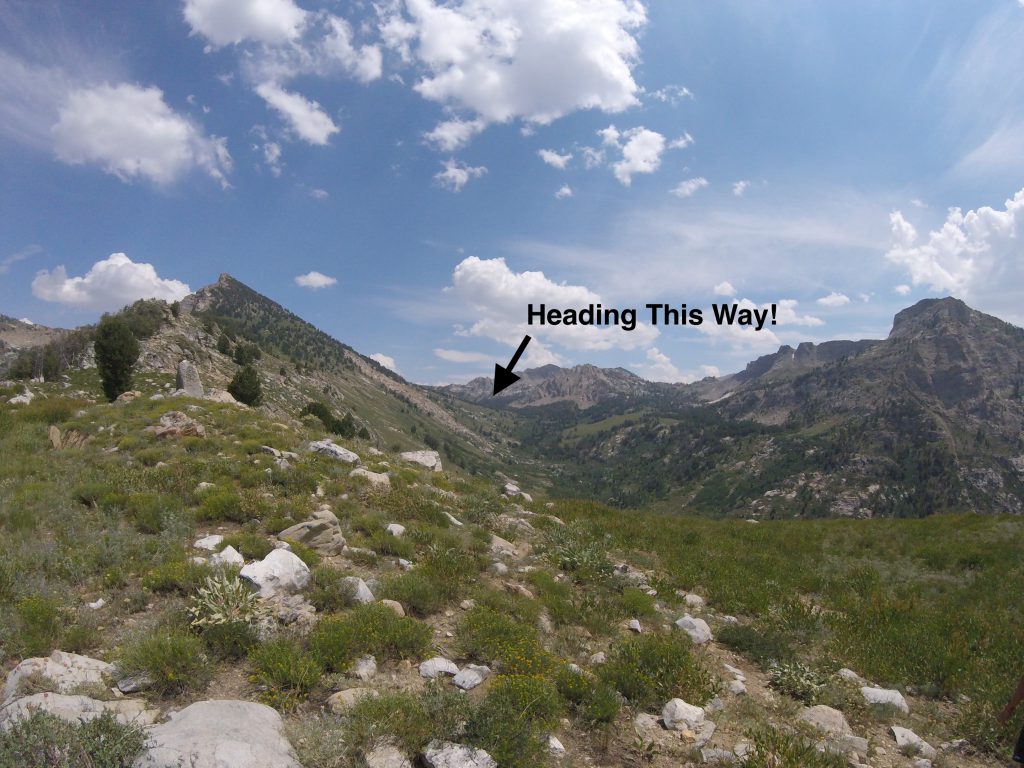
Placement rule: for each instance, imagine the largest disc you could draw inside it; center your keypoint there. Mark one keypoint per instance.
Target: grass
(285, 672)
(45, 741)
(368, 629)
(651, 669)
(174, 661)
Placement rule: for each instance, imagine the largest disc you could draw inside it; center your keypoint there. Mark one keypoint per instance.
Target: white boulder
(436, 666)
(697, 629)
(680, 716)
(445, 754)
(429, 459)
(66, 671)
(280, 571)
(885, 696)
(906, 739)
(376, 479)
(328, 448)
(360, 592)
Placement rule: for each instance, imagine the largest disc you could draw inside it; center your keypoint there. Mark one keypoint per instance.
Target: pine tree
(116, 353)
(245, 386)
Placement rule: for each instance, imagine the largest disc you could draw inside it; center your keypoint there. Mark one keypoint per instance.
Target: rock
(66, 671)
(445, 754)
(715, 705)
(694, 601)
(395, 606)
(555, 747)
(178, 424)
(634, 626)
(188, 379)
(127, 397)
(271, 451)
(280, 571)
(404, 564)
(736, 673)
(96, 604)
(437, 666)
(210, 542)
(360, 592)
(75, 708)
(730, 620)
(386, 756)
(204, 486)
(341, 702)
(328, 448)
(227, 556)
(906, 739)
(678, 716)
(322, 533)
(471, 676)
(850, 676)
(55, 439)
(717, 756)
(598, 658)
(365, 668)
(829, 721)
(23, 399)
(499, 568)
(217, 734)
(287, 609)
(396, 530)
(376, 479)
(429, 459)
(738, 688)
(921, 762)
(697, 629)
(885, 696)
(500, 546)
(134, 683)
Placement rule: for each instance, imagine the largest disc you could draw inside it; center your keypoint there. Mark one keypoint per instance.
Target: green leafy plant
(286, 673)
(174, 661)
(797, 680)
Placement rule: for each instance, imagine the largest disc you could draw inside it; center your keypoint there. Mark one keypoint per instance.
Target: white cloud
(452, 135)
(786, 313)
(108, 285)
(385, 360)
(131, 132)
(690, 187)
(659, 367)
(554, 159)
(563, 192)
(902, 289)
(14, 258)
(456, 175)
(319, 194)
(640, 154)
(1002, 152)
(497, 298)
(307, 118)
(458, 356)
(739, 187)
(671, 94)
(226, 22)
(834, 300)
(272, 157)
(725, 288)
(534, 60)
(315, 280)
(682, 142)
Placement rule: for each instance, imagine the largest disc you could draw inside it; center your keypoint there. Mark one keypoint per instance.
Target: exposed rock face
(65, 670)
(76, 708)
(218, 734)
(429, 459)
(322, 533)
(327, 447)
(445, 754)
(188, 379)
(280, 571)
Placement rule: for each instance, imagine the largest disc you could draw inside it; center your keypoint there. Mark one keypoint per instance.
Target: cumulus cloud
(456, 174)
(725, 288)
(307, 118)
(498, 297)
(131, 132)
(226, 22)
(458, 356)
(903, 289)
(641, 153)
(315, 280)
(690, 187)
(554, 159)
(834, 300)
(533, 60)
(452, 135)
(682, 142)
(740, 187)
(659, 367)
(563, 192)
(385, 360)
(108, 285)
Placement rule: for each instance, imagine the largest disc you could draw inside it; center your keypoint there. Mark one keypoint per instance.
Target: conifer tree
(116, 352)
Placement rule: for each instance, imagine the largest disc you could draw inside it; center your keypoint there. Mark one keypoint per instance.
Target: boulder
(445, 754)
(694, 601)
(500, 546)
(341, 702)
(697, 629)
(396, 529)
(634, 626)
(360, 592)
(825, 719)
(885, 696)
(386, 756)
(178, 424)
(188, 379)
(223, 396)
(395, 606)
(66, 671)
(680, 716)
(376, 479)
(210, 542)
(907, 740)
(429, 459)
(851, 677)
(280, 571)
(217, 734)
(227, 556)
(365, 668)
(328, 448)
(322, 533)
(437, 666)
(75, 709)
(471, 676)
(738, 688)
(555, 747)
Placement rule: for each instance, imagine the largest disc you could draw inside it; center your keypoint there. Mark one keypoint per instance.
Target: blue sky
(409, 174)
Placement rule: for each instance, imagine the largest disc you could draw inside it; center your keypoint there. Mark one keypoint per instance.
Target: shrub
(182, 576)
(636, 603)
(591, 698)
(329, 591)
(797, 680)
(573, 549)
(512, 722)
(245, 386)
(172, 659)
(221, 504)
(411, 722)
(762, 645)
(46, 741)
(286, 672)
(369, 629)
(651, 669)
(40, 623)
(487, 636)
(383, 543)
(773, 748)
(418, 593)
(152, 512)
(116, 352)
(250, 545)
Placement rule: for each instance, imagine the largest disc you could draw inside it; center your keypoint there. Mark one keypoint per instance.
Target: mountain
(16, 336)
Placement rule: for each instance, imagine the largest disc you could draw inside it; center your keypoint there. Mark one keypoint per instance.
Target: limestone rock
(694, 601)
(66, 670)
(280, 571)
(555, 747)
(697, 629)
(471, 676)
(885, 696)
(376, 479)
(360, 592)
(826, 719)
(210, 542)
(437, 666)
(445, 754)
(328, 448)
(634, 626)
(188, 379)
(341, 702)
(217, 734)
(322, 533)
(396, 529)
(907, 739)
(679, 716)
(429, 459)
(75, 708)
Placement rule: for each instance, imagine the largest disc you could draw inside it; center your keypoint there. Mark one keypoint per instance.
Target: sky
(410, 175)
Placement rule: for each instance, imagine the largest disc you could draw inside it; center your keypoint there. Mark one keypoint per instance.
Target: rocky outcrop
(322, 533)
(75, 708)
(697, 629)
(178, 424)
(66, 671)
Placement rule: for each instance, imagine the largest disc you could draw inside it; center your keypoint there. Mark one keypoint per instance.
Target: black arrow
(503, 377)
